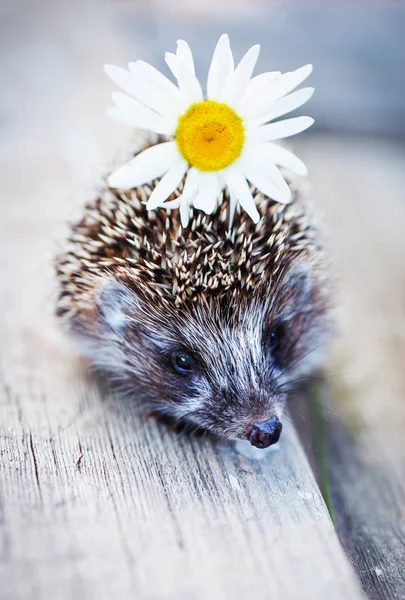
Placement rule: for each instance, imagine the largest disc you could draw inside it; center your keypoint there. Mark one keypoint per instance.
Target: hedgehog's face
(224, 366)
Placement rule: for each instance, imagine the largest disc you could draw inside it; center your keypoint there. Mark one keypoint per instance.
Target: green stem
(316, 407)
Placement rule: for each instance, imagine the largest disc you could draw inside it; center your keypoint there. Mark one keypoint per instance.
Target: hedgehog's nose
(266, 434)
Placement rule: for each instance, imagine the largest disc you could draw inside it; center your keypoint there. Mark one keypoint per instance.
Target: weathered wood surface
(359, 432)
(145, 515)
(368, 498)
(365, 406)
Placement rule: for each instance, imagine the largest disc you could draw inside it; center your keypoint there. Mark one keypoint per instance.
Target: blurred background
(56, 144)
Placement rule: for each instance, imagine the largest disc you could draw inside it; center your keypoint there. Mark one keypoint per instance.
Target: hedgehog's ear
(296, 288)
(115, 302)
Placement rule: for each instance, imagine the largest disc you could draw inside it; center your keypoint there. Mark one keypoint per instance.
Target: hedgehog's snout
(263, 435)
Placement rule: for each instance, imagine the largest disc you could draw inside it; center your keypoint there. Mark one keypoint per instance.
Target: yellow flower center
(210, 135)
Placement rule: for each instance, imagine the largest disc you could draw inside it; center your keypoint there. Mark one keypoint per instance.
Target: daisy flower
(222, 140)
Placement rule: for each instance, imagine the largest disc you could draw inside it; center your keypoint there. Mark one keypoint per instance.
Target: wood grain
(360, 185)
(146, 514)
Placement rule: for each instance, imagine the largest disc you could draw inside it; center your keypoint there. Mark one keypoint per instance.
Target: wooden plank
(362, 484)
(360, 187)
(368, 498)
(146, 514)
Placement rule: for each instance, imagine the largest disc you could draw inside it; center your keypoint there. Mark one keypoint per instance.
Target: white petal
(185, 56)
(220, 69)
(147, 165)
(232, 207)
(281, 129)
(167, 184)
(188, 82)
(131, 112)
(291, 80)
(237, 84)
(238, 185)
(266, 186)
(283, 157)
(281, 107)
(282, 86)
(208, 192)
(257, 87)
(191, 185)
(273, 174)
(172, 62)
(158, 124)
(155, 90)
(124, 101)
(171, 204)
(184, 214)
(189, 191)
(265, 176)
(122, 78)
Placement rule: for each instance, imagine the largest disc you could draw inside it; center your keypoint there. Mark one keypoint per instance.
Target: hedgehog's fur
(135, 287)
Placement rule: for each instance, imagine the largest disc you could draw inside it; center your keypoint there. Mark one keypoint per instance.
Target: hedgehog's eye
(183, 363)
(275, 341)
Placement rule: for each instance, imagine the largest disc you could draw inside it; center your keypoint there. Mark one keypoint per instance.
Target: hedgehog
(210, 325)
